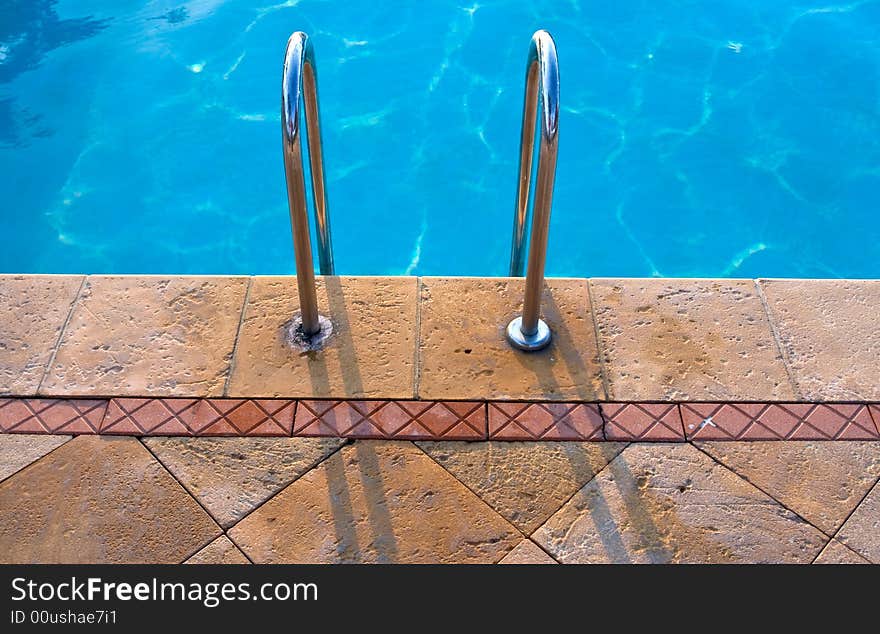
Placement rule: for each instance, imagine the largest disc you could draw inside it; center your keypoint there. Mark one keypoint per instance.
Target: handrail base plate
(531, 343)
(297, 339)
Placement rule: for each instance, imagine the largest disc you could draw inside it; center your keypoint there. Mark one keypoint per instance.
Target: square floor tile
(33, 309)
(463, 352)
(369, 355)
(148, 336)
(828, 330)
(692, 340)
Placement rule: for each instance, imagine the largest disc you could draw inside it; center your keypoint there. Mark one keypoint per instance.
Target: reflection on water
(29, 30)
(737, 138)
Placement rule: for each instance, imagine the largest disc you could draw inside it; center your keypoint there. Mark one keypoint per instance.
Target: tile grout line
(45, 455)
(606, 386)
(474, 493)
(185, 489)
(752, 484)
(223, 534)
(822, 550)
(777, 339)
(199, 549)
(626, 445)
(293, 421)
(486, 413)
(417, 353)
(842, 545)
(876, 485)
(870, 409)
(558, 508)
(238, 547)
(225, 531)
(681, 420)
(63, 330)
(247, 295)
(542, 549)
(345, 443)
(524, 538)
(236, 544)
(103, 416)
(605, 422)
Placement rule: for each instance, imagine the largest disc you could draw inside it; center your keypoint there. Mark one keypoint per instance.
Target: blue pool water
(697, 138)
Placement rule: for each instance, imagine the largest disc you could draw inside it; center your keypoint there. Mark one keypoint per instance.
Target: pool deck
(669, 421)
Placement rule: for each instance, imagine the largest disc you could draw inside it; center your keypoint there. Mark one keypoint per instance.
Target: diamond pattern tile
(442, 420)
(230, 477)
(99, 500)
(772, 421)
(412, 420)
(243, 417)
(375, 502)
(198, 417)
(149, 417)
(642, 422)
(671, 503)
(51, 416)
(544, 421)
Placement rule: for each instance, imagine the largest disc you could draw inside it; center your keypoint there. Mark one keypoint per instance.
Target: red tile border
(148, 417)
(545, 421)
(403, 420)
(198, 417)
(243, 417)
(442, 420)
(659, 422)
(51, 416)
(778, 421)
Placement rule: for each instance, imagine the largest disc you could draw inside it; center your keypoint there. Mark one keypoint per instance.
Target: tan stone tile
(671, 503)
(99, 500)
(527, 552)
(19, 450)
(149, 336)
(370, 355)
(463, 352)
(375, 501)
(219, 551)
(524, 481)
(861, 532)
(33, 309)
(687, 340)
(822, 481)
(231, 476)
(829, 334)
(837, 553)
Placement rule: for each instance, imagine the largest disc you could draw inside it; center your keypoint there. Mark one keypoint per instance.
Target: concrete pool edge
(441, 339)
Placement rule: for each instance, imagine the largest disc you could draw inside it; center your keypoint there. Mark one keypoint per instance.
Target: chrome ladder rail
(300, 83)
(529, 332)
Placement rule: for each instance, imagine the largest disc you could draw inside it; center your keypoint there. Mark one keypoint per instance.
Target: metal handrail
(529, 332)
(300, 83)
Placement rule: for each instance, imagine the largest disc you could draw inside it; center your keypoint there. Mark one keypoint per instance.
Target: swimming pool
(727, 138)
